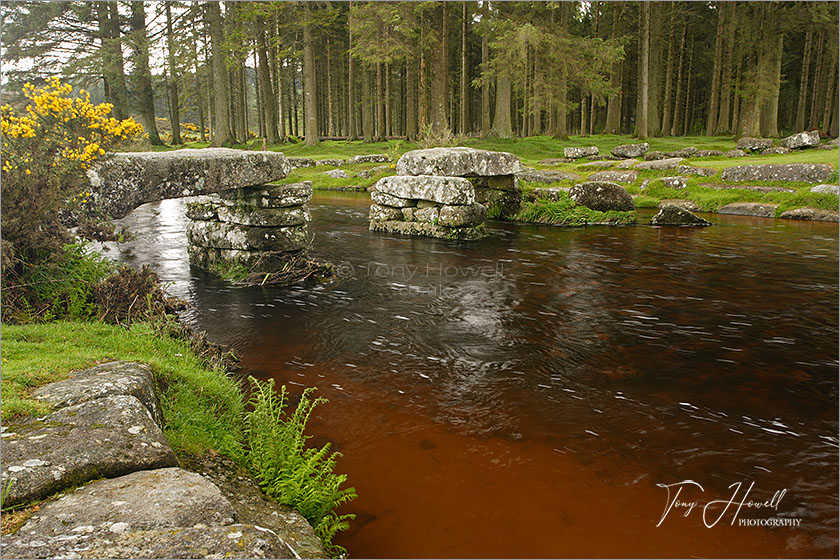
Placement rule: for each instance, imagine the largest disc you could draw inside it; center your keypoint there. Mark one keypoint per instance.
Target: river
(533, 394)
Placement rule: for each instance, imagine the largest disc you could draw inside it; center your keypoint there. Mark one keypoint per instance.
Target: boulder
(364, 174)
(123, 181)
(333, 162)
(735, 153)
(457, 162)
(574, 153)
(749, 209)
(104, 380)
(808, 213)
(444, 190)
(604, 163)
(679, 203)
(426, 229)
(460, 216)
(753, 144)
(555, 161)
(246, 215)
(219, 235)
(627, 163)
(702, 171)
(552, 194)
(676, 182)
(672, 215)
(380, 213)
(805, 172)
(387, 200)
(775, 150)
(547, 177)
(826, 189)
(825, 146)
(105, 437)
(683, 153)
(500, 182)
(615, 176)
(708, 153)
(602, 195)
(337, 174)
(807, 139)
(668, 163)
(297, 162)
(271, 196)
(754, 188)
(370, 158)
(630, 150)
(651, 156)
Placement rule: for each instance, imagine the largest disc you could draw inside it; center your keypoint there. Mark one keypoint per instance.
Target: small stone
(668, 163)
(683, 153)
(337, 174)
(775, 150)
(381, 213)
(220, 235)
(672, 215)
(460, 216)
(429, 214)
(574, 153)
(654, 155)
(555, 161)
(754, 144)
(369, 158)
(708, 153)
(333, 162)
(118, 527)
(676, 182)
(364, 174)
(630, 150)
(298, 162)
(735, 153)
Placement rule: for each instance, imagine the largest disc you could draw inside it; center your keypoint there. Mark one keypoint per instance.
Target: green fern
(289, 471)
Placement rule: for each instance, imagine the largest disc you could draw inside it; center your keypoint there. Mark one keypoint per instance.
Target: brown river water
(533, 394)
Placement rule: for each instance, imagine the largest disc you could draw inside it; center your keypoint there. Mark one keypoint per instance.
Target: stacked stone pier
(446, 192)
(260, 228)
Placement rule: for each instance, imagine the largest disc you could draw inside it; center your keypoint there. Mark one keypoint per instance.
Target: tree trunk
(266, 87)
(380, 105)
(724, 120)
(389, 115)
(352, 133)
(464, 93)
(831, 86)
(644, 59)
(813, 121)
(367, 104)
(173, 84)
(770, 108)
(711, 121)
(411, 98)
(736, 100)
(112, 58)
(221, 130)
(501, 123)
(142, 75)
(669, 74)
(309, 94)
(654, 68)
(675, 127)
(799, 125)
(686, 112)
(198, 95)
(485, 88)
(613, 124)
(330, 118)
(440, 97)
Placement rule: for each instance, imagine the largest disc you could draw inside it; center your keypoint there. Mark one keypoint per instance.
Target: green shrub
(289, 471)
(564, 212)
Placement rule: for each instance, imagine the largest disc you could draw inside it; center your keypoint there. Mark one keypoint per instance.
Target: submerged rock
(630, 150)
(444, 190)
(602, 195)
(458, 162)
(124, 181)
(574, 153)
(673, 215)
(758, 209)
(806, 139)
(809, 213)
(427, 230)
(108, 436)
(804, 172)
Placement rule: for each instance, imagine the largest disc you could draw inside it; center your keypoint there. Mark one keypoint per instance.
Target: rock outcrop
(673, 215)
(630, 150)
(675, 182)
(808, 213)
(603, 196)
(123, 181)
(804, 172)
(800, 140)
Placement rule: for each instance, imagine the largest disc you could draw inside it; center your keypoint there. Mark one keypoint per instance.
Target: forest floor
(532, 150)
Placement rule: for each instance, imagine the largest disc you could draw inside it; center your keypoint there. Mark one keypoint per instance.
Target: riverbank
(201, 412)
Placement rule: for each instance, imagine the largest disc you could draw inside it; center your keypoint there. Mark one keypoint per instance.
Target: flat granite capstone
(271, 196)
(123, 181)
(105, 437)
(443, 190)
(457, 162)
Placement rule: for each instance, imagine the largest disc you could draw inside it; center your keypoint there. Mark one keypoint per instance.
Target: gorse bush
(286, 469)
(46, 149)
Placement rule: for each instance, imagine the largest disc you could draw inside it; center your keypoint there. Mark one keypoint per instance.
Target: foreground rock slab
(803, 172)
(427, 229)
(673, 215)
(124, 181)
(105, 437)
(749, 209)
(603, 196)
(220, 235)
(809, 213)
(104, 380)
(458, 162)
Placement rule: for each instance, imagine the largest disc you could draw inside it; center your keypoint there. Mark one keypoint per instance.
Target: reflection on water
(524, 395)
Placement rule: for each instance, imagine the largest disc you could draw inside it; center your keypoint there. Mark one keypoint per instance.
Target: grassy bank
(564, 212)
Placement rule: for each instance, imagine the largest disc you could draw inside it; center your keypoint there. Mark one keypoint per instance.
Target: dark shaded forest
(227, 72)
